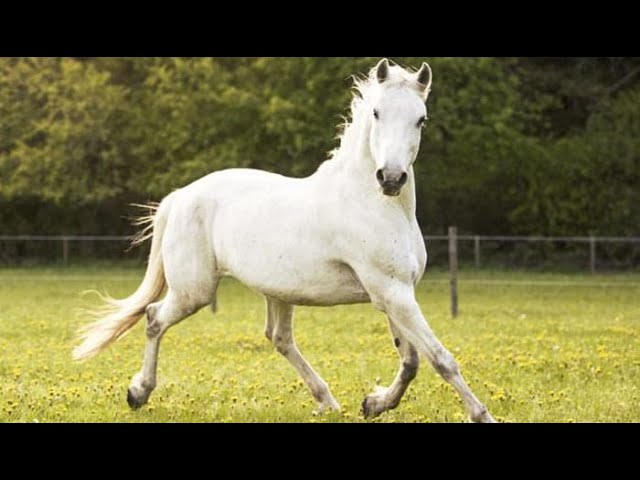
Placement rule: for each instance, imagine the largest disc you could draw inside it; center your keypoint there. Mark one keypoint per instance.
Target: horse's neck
(357, 168)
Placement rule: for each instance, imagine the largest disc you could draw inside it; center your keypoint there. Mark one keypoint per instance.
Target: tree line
(544, 146)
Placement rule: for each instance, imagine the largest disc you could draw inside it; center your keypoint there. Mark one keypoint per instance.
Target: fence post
(476, 250)
(453, 269)
(592, 253)
(65, 251)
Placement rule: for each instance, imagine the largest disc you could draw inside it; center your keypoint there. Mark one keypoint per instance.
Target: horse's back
(233, 183)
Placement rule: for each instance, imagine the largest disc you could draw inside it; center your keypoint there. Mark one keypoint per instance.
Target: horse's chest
(397, 252)
(405, 262)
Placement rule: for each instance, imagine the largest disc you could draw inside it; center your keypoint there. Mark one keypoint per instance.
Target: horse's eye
(376, 115)
(422, 121)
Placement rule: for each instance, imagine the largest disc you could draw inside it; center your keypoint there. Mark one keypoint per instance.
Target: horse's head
(397, 106)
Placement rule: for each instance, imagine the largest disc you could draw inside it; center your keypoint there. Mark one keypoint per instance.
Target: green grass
(534, 347)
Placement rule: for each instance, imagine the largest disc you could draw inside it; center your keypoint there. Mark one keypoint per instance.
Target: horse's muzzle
(391, 182)
(391, 189)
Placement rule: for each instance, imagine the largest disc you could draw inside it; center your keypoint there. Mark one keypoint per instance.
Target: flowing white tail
(117, 317)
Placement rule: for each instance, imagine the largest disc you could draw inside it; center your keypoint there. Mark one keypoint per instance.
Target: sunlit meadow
(534, 347)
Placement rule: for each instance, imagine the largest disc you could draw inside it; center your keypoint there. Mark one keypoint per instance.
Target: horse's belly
(329, 286)
(302, 282)
(294, 269)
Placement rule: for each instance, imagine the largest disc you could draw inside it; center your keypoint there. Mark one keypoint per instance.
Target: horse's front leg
(397, 299)
(383, 399)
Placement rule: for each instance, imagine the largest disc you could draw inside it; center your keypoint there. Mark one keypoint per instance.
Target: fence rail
(506, 238)
(477, 240)
(75, 238)
(452, 245)
(592, 241)
(65, 239)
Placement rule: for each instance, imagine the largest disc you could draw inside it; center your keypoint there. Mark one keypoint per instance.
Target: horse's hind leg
(190, 272)
(383, 399)
(160, 317)
(280, 331)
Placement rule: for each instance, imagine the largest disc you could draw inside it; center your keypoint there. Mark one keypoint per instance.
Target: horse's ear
(424, 78)
(382, 70)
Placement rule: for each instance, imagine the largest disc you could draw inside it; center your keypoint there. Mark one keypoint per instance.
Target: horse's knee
(152, 311)
(172, 310)
(446, 366)
(410, 366)
(282, 344)
(153, 326)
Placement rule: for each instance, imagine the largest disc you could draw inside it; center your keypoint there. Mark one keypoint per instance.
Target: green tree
(514, 145)
(58, 116)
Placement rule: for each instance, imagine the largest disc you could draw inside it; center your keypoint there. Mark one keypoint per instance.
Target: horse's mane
(363, 88)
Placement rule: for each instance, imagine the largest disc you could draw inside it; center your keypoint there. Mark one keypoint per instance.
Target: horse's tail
(116, 317)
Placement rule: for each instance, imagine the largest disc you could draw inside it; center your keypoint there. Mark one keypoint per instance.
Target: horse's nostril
(380, 176)
(403, 178)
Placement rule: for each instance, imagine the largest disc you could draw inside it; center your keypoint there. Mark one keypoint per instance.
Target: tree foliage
(514, 145)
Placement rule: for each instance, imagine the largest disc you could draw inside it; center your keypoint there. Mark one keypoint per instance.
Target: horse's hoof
(370, 407)
(376, 403)
(134, 402)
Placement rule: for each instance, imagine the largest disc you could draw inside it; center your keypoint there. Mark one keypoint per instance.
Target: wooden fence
(452, 238)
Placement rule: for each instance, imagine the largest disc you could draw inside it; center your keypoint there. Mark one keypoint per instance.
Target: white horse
(347, 234)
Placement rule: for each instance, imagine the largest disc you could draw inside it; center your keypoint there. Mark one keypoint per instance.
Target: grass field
(534, 347)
